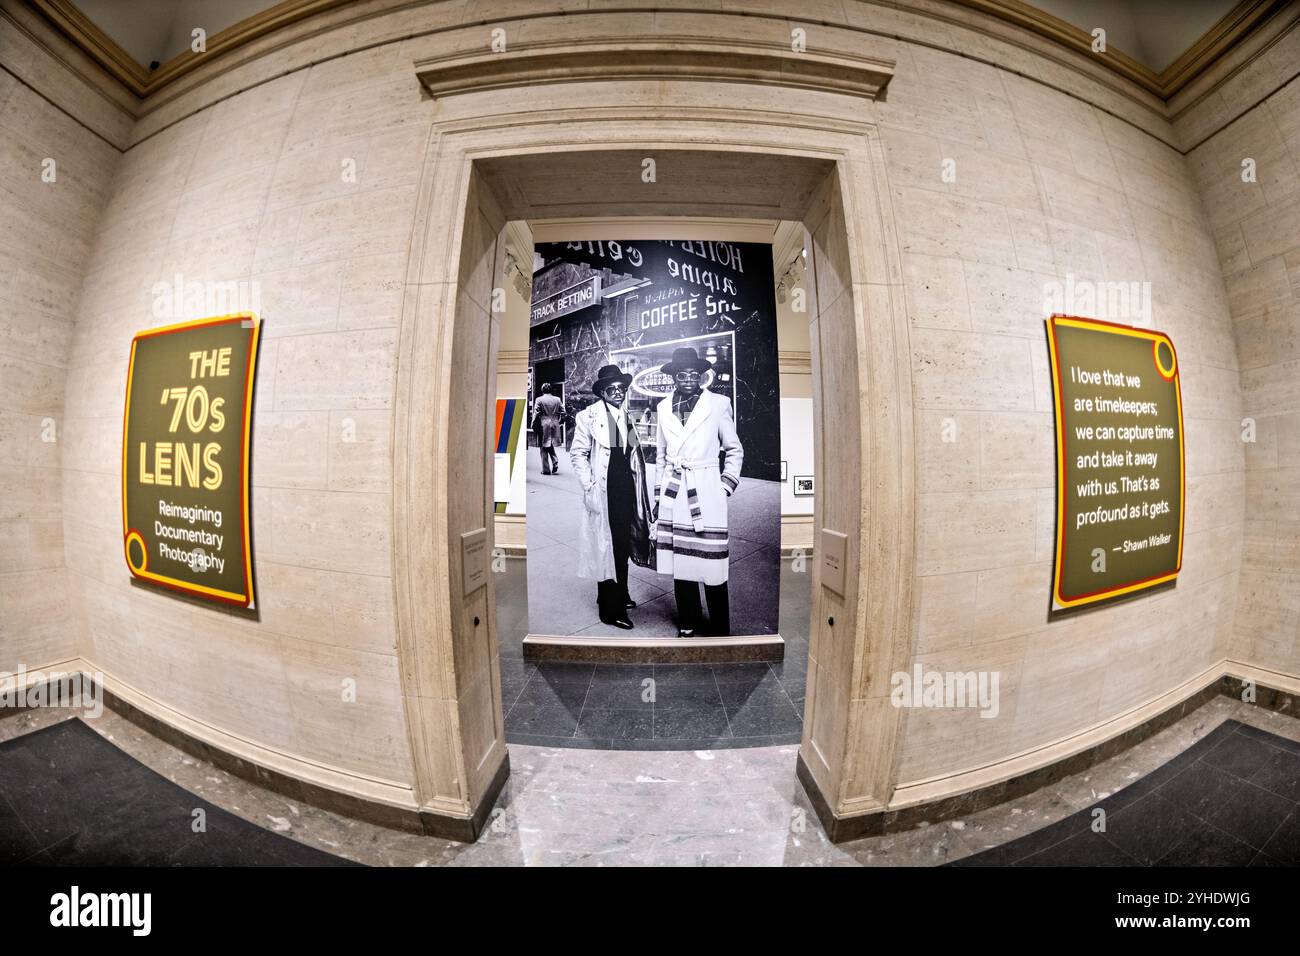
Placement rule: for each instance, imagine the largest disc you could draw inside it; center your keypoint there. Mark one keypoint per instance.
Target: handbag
(647, 511)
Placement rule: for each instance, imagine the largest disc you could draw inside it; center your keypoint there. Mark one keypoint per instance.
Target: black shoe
(622, 622)
(630, 604)
(686, 632)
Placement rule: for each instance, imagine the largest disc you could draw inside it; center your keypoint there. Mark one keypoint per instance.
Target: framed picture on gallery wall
(638, 338)
(803, 486)
(783, 471)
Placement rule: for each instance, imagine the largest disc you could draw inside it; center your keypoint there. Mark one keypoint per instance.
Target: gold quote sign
(185, 457)
(1119, 460)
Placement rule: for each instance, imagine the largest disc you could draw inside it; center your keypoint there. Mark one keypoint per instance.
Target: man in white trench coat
(604, 442)
(691, 536)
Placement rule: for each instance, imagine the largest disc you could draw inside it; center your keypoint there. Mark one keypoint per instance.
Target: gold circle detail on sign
(1166, 363)
(138, 561)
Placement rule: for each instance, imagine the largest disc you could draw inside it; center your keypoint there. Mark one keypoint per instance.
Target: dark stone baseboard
(1268, 698)
(838, 829)
(462, 829)
(410, 820)
(843, 829)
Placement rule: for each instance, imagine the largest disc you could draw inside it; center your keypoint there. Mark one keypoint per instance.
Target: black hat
(684, 360)
(607, 376)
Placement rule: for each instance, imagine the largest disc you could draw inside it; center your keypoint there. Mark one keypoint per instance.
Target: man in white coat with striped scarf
(691, 537)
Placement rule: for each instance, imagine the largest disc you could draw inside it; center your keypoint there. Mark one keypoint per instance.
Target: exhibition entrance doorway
(576, 168)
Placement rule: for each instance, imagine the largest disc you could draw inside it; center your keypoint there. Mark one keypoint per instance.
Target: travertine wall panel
(1257, 78)
(55, 179)
(1256, 222)
(1044, 189)
(57, 71)
(300, 193)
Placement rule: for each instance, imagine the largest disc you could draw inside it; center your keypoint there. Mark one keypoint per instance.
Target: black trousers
(620, 506)
(550, 461)
(688, 606)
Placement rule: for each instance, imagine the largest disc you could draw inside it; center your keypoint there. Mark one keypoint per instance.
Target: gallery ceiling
(154, 31)
(1153, 32)
(1160, 44)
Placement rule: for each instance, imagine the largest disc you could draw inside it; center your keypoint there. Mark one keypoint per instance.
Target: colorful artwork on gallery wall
(509, 464)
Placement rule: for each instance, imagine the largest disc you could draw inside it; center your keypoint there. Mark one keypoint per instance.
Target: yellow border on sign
(241, 599)
(1096, 325)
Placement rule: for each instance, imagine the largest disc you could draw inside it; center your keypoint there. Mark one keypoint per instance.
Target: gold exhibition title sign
(185, 457)
(1120, 473)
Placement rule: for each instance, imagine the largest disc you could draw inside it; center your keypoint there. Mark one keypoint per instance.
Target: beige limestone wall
(1046, 187)
(259, 190)
(1257, 228)
(54, 182)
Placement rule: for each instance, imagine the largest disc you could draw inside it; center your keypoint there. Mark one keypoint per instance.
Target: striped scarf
(682, 477)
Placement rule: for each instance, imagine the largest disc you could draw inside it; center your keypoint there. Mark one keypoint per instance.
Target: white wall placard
(473, 559)
(833, 548)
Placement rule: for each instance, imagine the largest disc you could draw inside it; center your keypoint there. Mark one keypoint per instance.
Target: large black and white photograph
(654, 459)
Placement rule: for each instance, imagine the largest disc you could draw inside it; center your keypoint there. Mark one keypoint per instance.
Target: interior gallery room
(617, 433)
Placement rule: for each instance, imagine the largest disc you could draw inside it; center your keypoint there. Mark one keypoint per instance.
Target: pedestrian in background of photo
(547, 417)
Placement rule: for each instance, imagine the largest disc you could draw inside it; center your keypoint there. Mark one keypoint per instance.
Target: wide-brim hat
(685, 360)
(607, 376)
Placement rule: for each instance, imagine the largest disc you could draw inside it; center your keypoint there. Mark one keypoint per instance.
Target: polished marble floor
(589, 807)
(653, 707)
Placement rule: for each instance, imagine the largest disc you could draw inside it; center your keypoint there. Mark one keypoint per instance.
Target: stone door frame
(861, 368)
